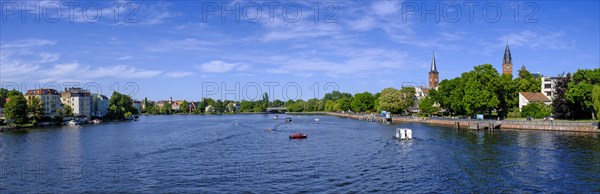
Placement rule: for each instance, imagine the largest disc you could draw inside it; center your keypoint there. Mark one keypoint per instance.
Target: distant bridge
(277, 110)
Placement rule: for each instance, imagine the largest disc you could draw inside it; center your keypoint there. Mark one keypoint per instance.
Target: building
(49, 98)
(507, 65)
(433, 74)
(526, 97)
(176, 105)
(138, 105)
(209, 109)
(79, 99)
(548, 86)
(99, 105)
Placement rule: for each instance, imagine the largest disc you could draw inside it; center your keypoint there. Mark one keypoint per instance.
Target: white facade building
(80, 100)
(99, 105)
(548, 86)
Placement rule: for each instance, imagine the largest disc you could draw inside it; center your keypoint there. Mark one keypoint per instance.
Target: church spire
(507, 58)
(507, 63)
(433, 65)
(433, 74)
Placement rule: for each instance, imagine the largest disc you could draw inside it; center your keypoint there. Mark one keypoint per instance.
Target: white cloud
(183, 44)
(123, 58)
(26, 43)
(177, 74)
(552, 40)
(222, 67)
(385, 7)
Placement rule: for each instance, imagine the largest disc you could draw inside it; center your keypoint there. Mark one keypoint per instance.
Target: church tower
(507, 64)
(433, 74)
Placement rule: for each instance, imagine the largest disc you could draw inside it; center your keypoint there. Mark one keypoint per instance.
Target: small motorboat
(403, 134)
(72, 123)
(288, 120)
(298, 135)
(276, 117)
(317, 119)
(96, 121)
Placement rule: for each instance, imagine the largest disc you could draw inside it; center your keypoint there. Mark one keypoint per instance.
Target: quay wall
(504, 124)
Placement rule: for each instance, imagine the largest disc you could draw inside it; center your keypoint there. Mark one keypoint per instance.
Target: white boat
(317, 119)
(72, 123)
(276, 117)
(403, 134)
(96, 121)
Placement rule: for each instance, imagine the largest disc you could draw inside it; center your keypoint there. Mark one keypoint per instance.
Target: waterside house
(527, 97)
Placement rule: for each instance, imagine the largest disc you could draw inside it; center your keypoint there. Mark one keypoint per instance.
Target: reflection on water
(235, 153)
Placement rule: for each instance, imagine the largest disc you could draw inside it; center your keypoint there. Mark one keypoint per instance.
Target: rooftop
(535, 96)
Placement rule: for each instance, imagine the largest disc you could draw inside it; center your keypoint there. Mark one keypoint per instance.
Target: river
(236, 153)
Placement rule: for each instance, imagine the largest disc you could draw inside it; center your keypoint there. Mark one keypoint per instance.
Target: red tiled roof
(41, 92)
(535, 96)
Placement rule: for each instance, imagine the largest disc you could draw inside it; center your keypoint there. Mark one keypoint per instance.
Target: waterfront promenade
(484, 124)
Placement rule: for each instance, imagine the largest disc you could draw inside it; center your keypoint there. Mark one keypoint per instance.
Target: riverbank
(591, 127)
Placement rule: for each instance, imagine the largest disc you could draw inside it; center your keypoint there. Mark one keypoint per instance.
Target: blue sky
(182, 49)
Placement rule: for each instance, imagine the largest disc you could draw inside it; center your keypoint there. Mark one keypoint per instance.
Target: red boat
(298, 136)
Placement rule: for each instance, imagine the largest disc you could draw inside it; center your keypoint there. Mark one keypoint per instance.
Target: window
(548, 93)
(547, 86)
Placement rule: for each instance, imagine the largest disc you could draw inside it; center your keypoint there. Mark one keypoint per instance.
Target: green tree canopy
(15, 110)
(536, 110)
(390, 100)
(35, 108)
(362, 102)
(427, 106)
(579, 92)
(120, 107)
(526, 82)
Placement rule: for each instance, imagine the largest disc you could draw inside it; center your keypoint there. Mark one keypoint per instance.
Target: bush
(536, 110)
(514, 113)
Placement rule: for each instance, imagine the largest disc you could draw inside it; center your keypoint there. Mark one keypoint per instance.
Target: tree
(481, 89)
(596, 98)
(525, 82)
(184, 106)
(265, 99)
(312, 105)
(59, 116)
(407, 98)
(15, 110)
(427, 106)
(579, 92)
(335, 96)
(3, 93)
(362, 102)
(344, 103)
(536, 110)
(296, 106)
(69, 111)
(166, 109)
(35, 108)
(330, 106)
(120, 107)
(390, 100)
(562, 109)
(449, 95)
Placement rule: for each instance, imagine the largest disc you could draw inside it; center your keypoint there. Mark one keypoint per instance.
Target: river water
(235, 153)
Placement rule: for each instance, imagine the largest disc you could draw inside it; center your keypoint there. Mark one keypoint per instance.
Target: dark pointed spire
(433, 65)
(507, 58)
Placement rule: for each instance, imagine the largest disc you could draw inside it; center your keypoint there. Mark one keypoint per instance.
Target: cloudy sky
(303, 49)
